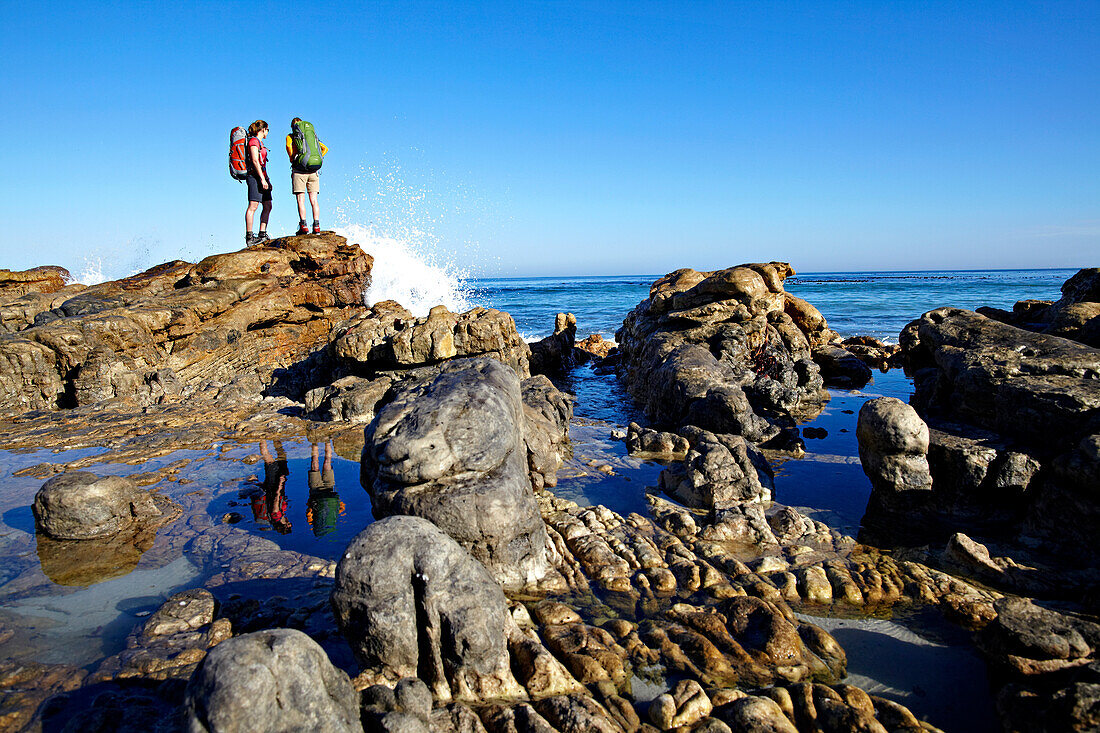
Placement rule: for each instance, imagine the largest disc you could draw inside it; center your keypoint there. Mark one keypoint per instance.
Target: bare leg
(313, 203)
(264, 214)
(265, 453)
(249, 214)
(302, 205)
(313, 458)
(328, 456)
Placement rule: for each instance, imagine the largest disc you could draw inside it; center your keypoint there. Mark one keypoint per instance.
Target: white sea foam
(91, 273)
(415, 226)
(409, 276)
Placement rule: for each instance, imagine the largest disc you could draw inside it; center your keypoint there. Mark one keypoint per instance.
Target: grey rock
(719, 472)
(352, 399)
(451, 450)
(840, 367)
(647, 441)
(893, 446)
(413, 603)
(274, 680)
(546, 415)
(81, 505)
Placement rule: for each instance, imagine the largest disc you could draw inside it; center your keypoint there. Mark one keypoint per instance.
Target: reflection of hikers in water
(324, 503)
(271, 505)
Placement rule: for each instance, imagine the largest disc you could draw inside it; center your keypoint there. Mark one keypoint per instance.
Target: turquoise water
(854, 303)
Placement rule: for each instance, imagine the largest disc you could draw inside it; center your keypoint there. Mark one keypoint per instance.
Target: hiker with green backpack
(306, 155)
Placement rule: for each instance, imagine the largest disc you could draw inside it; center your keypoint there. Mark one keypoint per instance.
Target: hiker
(306, 154)
(259, 185)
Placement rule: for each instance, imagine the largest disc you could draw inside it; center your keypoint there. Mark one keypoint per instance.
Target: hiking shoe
(250, 239)
(316, 227)
(302, 229)
(262, 237)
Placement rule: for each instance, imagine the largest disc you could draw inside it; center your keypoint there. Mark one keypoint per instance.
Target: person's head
(294, 122)
(257, 129)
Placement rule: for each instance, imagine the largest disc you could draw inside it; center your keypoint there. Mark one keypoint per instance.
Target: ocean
(854, 303)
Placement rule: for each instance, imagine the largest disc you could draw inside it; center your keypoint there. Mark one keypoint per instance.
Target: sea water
(854, 303)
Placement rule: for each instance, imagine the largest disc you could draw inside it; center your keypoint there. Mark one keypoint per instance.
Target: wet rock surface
(554, 354)
(727, 351)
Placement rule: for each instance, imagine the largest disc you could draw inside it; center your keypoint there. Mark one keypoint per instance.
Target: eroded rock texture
(451, 449)
(1015, 419)
(82, 506)
(413, 603)
(726, 351)
(252, 314)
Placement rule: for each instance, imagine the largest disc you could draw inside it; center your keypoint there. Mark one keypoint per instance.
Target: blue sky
(567, 138)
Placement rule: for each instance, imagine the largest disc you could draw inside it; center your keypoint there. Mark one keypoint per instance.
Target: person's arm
(254, 150)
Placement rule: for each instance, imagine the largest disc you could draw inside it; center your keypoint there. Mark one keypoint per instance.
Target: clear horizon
(579, 138)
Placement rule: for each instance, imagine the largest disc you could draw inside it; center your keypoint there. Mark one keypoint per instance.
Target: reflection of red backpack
(238, 154)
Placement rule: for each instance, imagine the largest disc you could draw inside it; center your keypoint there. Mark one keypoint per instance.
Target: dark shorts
(256, 192)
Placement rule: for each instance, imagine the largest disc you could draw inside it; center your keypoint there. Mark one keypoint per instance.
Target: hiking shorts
(304, 182)
(325, 479)
(256, 192)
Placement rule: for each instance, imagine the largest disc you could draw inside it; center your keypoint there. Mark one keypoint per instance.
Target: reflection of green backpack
(307, 149)
(325, 509)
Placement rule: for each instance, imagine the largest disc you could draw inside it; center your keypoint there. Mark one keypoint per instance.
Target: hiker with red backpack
(259, 185)
(306, 154)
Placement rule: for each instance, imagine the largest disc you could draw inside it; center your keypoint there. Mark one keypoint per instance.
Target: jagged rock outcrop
(554, 354)
(385, 346)
(256, 313)
(451, 449)
(389, 340)
(24, 294)
(274, 680)
(1018, 418)
(719, 472)
(727, 351)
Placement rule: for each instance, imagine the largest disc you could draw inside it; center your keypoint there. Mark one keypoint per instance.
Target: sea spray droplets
(92, 272)
(410, 277)
(401, 218)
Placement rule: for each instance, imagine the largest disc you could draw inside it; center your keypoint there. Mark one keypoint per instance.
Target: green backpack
(307, 158)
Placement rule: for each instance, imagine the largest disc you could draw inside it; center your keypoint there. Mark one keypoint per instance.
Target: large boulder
(413, 603)
(260, 311)
(1076, 315)
(451, 449)
(840, 367)
(727, 351)
(274, 680)
(80, 506)
(893, 446)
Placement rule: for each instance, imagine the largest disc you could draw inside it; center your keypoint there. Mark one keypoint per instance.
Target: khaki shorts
(304, 182)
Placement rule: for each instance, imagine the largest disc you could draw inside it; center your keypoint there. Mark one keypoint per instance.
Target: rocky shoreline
(481, 598)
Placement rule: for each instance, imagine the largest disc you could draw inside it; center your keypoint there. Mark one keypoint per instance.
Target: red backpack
(238, 154)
